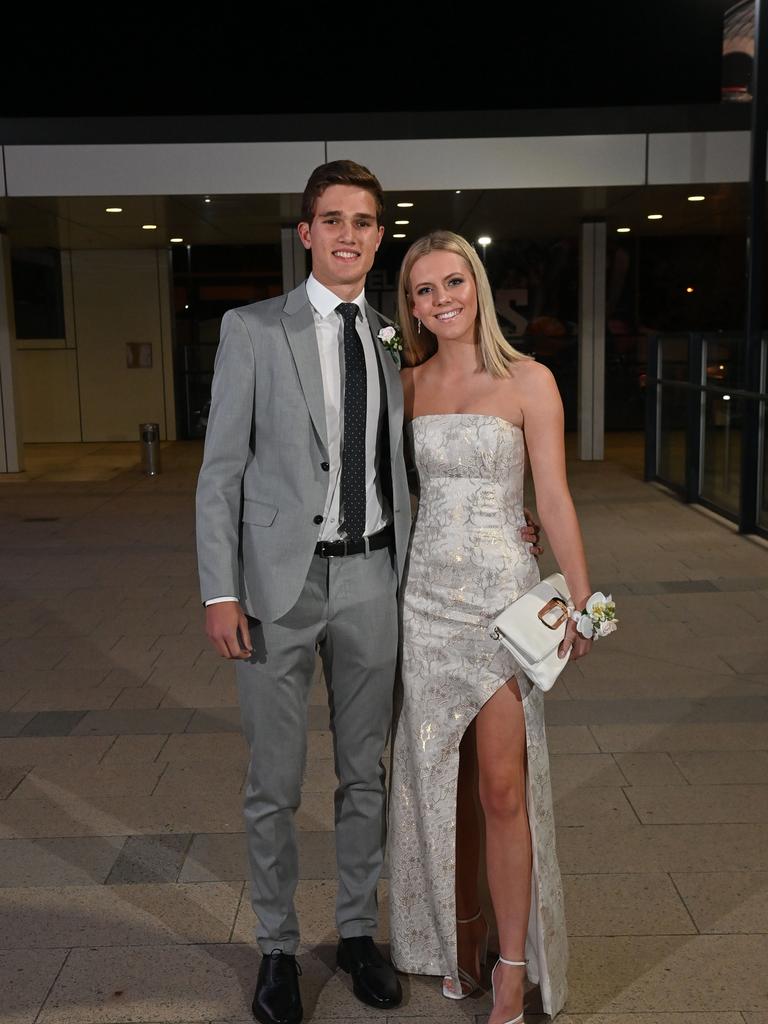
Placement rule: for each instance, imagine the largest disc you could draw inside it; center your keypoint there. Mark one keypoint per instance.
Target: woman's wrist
(596, 617)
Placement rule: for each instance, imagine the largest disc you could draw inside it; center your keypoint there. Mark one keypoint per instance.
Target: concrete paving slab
(726, 901)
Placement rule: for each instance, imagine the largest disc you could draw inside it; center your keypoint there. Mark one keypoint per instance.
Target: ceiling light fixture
(149, 227)
(655, 216)
(114, 209)
(405, 206)
(177, 239)
(696, 199)
(623, 231)
(402, 222)
(399, 235)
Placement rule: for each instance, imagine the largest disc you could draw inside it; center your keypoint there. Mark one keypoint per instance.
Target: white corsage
(598, 618)
(391, 340)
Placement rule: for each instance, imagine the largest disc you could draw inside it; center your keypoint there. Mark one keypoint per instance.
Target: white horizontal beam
(573, 161)
(160, 169)
(533, 162)
(683, 158)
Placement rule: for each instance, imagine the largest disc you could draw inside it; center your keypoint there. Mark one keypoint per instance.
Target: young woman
(470, 720)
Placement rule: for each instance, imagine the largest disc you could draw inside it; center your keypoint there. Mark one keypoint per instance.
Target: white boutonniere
(392, 341)
(598, 618)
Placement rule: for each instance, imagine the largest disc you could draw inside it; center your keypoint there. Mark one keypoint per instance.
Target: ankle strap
(468, 920)
(513, 963)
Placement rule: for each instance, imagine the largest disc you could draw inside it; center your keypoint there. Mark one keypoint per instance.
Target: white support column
(294, 258)
(591, 408)
(10, 436)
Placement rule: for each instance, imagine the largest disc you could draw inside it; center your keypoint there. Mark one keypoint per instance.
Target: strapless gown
(467, 562)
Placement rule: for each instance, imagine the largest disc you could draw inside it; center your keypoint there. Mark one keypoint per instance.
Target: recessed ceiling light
(623, 231)
(399, 235)
(458, 191)
(689, 289)
(149, 227)
(177, 239)
(655, 216)
(696, 199)
(402, 222)
(207, 199)
(484, 240)
(186, 305)
(114, 209)
(405, 205)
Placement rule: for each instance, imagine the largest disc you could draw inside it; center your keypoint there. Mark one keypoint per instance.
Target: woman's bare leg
(467, 832)
(468, 936)
(501, 760)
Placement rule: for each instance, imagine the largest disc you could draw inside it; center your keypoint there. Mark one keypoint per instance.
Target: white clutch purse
(532, 628)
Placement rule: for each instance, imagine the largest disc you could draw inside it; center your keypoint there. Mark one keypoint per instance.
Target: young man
(303, 516)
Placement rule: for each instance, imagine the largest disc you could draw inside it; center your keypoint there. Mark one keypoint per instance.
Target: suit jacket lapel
(299, 324)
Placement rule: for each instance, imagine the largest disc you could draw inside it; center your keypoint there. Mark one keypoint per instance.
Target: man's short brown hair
(340, 172)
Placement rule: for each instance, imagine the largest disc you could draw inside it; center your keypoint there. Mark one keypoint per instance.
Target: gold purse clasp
(548, 607)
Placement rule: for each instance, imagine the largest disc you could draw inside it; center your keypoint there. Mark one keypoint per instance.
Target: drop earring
(418, 329)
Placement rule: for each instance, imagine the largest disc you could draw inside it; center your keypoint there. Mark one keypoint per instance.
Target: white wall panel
(682, 158)
(48, 389)
(532, 162)
(160, 169)
(117, 302)
(10, 418)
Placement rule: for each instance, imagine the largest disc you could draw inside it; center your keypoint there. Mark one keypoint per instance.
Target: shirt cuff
(220, 600)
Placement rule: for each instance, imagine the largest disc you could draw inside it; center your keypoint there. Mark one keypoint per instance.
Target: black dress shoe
(373, 978)
(277, 999)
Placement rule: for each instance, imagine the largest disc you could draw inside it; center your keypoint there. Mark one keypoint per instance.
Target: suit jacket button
(325, 465)
(318, 520)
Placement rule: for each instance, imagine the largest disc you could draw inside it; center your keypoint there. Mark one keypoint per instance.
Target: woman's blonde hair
(496, 352)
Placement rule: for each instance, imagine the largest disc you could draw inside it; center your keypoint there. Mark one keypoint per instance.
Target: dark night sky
(547, 54)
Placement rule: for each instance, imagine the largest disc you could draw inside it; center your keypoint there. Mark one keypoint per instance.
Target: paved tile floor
(122, 866)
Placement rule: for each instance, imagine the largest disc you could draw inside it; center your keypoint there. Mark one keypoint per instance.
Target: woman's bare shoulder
(533, 377)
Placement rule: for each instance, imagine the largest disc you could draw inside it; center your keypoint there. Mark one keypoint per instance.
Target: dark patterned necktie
(355, 406)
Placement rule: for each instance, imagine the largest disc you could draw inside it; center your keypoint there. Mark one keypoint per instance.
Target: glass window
(672, 435)
(762, 511)
(721, 462)
(673, 358)
(37, 293)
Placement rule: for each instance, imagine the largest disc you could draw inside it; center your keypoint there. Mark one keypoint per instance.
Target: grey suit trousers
(348, 612)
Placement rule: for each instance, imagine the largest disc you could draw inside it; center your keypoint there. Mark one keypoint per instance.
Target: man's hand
(227, 627)
(530, 534)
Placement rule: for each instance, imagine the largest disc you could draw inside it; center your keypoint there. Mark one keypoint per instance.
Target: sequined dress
(467, 562)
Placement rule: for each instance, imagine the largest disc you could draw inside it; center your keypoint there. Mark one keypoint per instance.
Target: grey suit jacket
(262, 482)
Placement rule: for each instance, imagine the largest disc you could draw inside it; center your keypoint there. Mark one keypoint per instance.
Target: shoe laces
(285, 961)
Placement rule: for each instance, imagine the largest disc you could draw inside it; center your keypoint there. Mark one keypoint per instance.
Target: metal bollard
(149, 435)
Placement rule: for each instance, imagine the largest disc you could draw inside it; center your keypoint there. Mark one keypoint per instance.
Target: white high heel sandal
(464, 976)
(509, 963)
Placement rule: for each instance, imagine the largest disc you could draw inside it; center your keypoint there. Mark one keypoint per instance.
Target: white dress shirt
(330, 341)
(329, 328)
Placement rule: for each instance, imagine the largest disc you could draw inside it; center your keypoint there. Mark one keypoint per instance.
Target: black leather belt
(337, 548)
